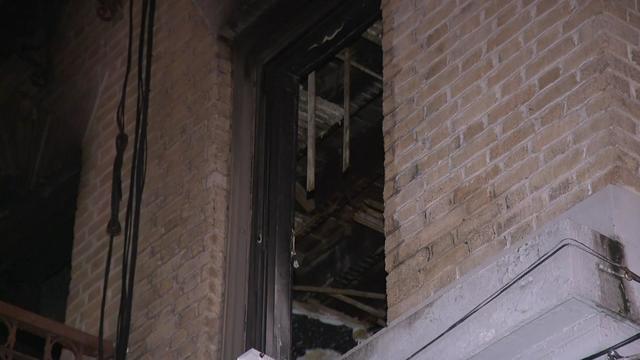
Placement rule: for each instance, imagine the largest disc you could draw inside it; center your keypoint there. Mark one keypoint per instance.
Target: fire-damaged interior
(39, 164)
(338, 248)
(39, 169)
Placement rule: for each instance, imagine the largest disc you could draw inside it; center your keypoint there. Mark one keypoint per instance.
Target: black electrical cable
(137, 181)
(566, 242)
(113, 227)
(124, 311)
(138, 171)
(614, 347)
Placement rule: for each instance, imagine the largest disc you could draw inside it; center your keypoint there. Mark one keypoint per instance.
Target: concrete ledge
(614, 212)
(566, 308)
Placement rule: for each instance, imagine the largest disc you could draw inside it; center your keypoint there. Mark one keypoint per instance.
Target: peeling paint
(328, 37)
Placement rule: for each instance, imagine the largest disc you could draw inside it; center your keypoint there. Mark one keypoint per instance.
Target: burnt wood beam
(361, 67)
(346, 124)
(301, 197)
(358, 195)
(316, 307)
(380, 314)
(333, 131)
(335, 291)
(370, 218)
(311, 132)
(373, 33)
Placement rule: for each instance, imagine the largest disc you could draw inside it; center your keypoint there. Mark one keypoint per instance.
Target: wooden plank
(349, 292)
(374, 204)
(369, 220)
(361, 67)
(301, 197)
(346, 125)
(311, 131)
(312, 306)
(42, 326)
(364, 307)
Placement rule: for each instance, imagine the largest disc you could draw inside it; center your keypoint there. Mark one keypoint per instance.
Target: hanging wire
(113, 227)
(566, 242)
(611, 351)
(136, 184)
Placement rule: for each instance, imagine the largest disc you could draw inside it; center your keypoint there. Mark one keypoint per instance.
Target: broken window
(338, 290)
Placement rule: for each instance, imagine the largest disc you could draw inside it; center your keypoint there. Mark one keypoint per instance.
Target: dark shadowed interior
(339, 225)
(39, 168)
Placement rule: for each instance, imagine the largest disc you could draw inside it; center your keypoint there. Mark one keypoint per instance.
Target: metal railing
(54, 334)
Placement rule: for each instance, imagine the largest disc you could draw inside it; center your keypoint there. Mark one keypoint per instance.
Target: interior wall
(179, 281)
(499, 115)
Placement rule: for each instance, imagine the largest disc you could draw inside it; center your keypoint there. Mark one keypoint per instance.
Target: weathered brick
(553, 92)
(587, 11)
(556, 149)
(507, 68)
(550, 56)
(557, 168)
(475, 110)
(539, 112)
(548, 77)
(172, 257)
(470, 77)
(555, 130)
(512, 177)
(561, 188)
(476, 183)
(435, 35)
(547, 38)
(482, 141)
(518, 154)
(509, 30)
(511, 103)
(509, 142)
(547, 20)
(518, 215)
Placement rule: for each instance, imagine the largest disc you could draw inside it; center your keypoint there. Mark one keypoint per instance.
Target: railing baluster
(54, 333)
(48, 348)
(8, 346)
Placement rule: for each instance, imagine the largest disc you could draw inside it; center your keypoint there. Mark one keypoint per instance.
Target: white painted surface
(565, 309)
(614, 212)
(254, 354)
(320, 354)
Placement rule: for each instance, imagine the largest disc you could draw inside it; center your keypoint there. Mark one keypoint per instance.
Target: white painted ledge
(614, 212)
(253, 354)
(565, 309)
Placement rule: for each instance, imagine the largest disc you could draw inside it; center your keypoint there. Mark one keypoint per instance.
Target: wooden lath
(346, 125)
(311, 132)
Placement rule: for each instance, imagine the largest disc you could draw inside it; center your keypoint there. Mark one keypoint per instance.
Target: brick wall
(178, 291)
(499, 115)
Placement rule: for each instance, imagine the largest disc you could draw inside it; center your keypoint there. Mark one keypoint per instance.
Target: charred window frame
(271, 55)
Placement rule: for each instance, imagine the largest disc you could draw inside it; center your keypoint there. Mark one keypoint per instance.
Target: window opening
(339, 278)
